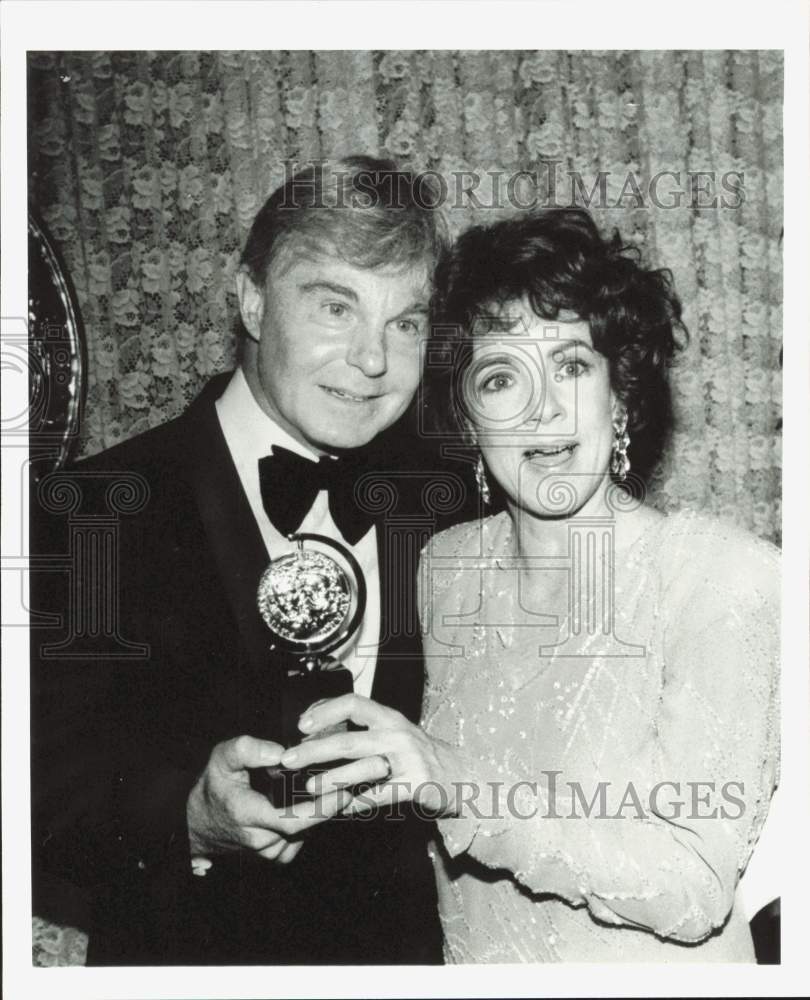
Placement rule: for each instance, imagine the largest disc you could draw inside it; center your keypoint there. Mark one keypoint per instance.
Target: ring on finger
(388, 769)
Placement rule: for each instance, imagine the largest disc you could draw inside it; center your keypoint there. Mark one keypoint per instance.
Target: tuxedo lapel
(399, 676)
(239, 553)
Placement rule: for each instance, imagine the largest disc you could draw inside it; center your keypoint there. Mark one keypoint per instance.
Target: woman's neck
(547, 536)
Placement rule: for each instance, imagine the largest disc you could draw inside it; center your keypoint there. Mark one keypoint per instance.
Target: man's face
(336, 351)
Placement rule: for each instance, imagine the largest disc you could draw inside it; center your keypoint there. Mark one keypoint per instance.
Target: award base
(287, 787)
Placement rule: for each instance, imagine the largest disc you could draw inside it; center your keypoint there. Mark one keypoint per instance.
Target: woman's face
(539, 403)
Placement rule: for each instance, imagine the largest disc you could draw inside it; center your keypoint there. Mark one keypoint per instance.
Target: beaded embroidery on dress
(691, 696)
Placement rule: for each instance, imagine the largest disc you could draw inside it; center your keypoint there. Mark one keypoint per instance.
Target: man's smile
(349, 397)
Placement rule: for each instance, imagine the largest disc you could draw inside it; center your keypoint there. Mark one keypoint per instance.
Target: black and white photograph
(405, 590)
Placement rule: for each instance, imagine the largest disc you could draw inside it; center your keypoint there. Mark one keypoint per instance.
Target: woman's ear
(468, 433)
(251, 304)
(618, 411)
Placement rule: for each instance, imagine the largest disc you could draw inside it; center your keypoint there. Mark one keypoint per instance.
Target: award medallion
(312, 600)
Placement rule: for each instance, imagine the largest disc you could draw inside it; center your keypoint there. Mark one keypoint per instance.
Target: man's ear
(251, 304)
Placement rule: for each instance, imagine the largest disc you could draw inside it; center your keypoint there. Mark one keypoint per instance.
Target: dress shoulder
(444, 560)
(703, 555)
(470, 538)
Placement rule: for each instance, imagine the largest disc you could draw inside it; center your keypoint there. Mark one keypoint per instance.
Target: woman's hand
(397, 757)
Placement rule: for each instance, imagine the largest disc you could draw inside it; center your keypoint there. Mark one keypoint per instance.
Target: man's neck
(284, 434)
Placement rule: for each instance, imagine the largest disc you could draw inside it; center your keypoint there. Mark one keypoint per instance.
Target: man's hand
(225, 814)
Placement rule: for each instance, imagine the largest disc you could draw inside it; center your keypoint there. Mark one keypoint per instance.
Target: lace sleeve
(668, 869)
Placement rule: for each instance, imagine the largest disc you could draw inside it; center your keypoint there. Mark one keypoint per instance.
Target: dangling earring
(481, 481)
(619, 462)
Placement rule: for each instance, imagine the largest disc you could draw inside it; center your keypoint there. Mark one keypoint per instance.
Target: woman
(600, 734)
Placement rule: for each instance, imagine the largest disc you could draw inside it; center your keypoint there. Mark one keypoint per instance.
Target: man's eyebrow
(329, 286)
(416, 307)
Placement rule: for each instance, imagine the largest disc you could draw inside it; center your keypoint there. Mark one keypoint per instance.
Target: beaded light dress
(624, 753)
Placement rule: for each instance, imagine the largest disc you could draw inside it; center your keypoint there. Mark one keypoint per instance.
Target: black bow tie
(289, 484)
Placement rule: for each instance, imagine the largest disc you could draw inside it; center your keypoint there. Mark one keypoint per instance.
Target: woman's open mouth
(550, 456)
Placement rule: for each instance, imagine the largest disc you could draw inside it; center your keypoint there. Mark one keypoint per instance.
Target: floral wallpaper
(148, 168)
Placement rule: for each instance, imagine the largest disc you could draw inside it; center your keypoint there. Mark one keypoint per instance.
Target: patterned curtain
(148, 168)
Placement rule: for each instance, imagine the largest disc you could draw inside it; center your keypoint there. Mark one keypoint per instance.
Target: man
(145, 762)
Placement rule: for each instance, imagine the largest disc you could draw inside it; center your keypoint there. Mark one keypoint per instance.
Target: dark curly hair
(558, 262)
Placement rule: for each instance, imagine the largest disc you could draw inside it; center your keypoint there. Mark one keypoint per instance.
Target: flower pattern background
(148, 168)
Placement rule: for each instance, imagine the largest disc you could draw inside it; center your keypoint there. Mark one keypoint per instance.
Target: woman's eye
(497, 382)
(337, 309)
(574, 367)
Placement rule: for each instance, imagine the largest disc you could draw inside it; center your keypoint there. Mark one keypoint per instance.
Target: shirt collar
(249, 431)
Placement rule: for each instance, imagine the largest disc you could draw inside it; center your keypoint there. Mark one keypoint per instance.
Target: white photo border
(455, 24)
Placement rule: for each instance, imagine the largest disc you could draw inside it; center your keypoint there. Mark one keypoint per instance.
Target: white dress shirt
(250, 435)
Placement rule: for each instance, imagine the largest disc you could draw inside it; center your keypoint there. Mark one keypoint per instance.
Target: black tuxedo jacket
(147, 650)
